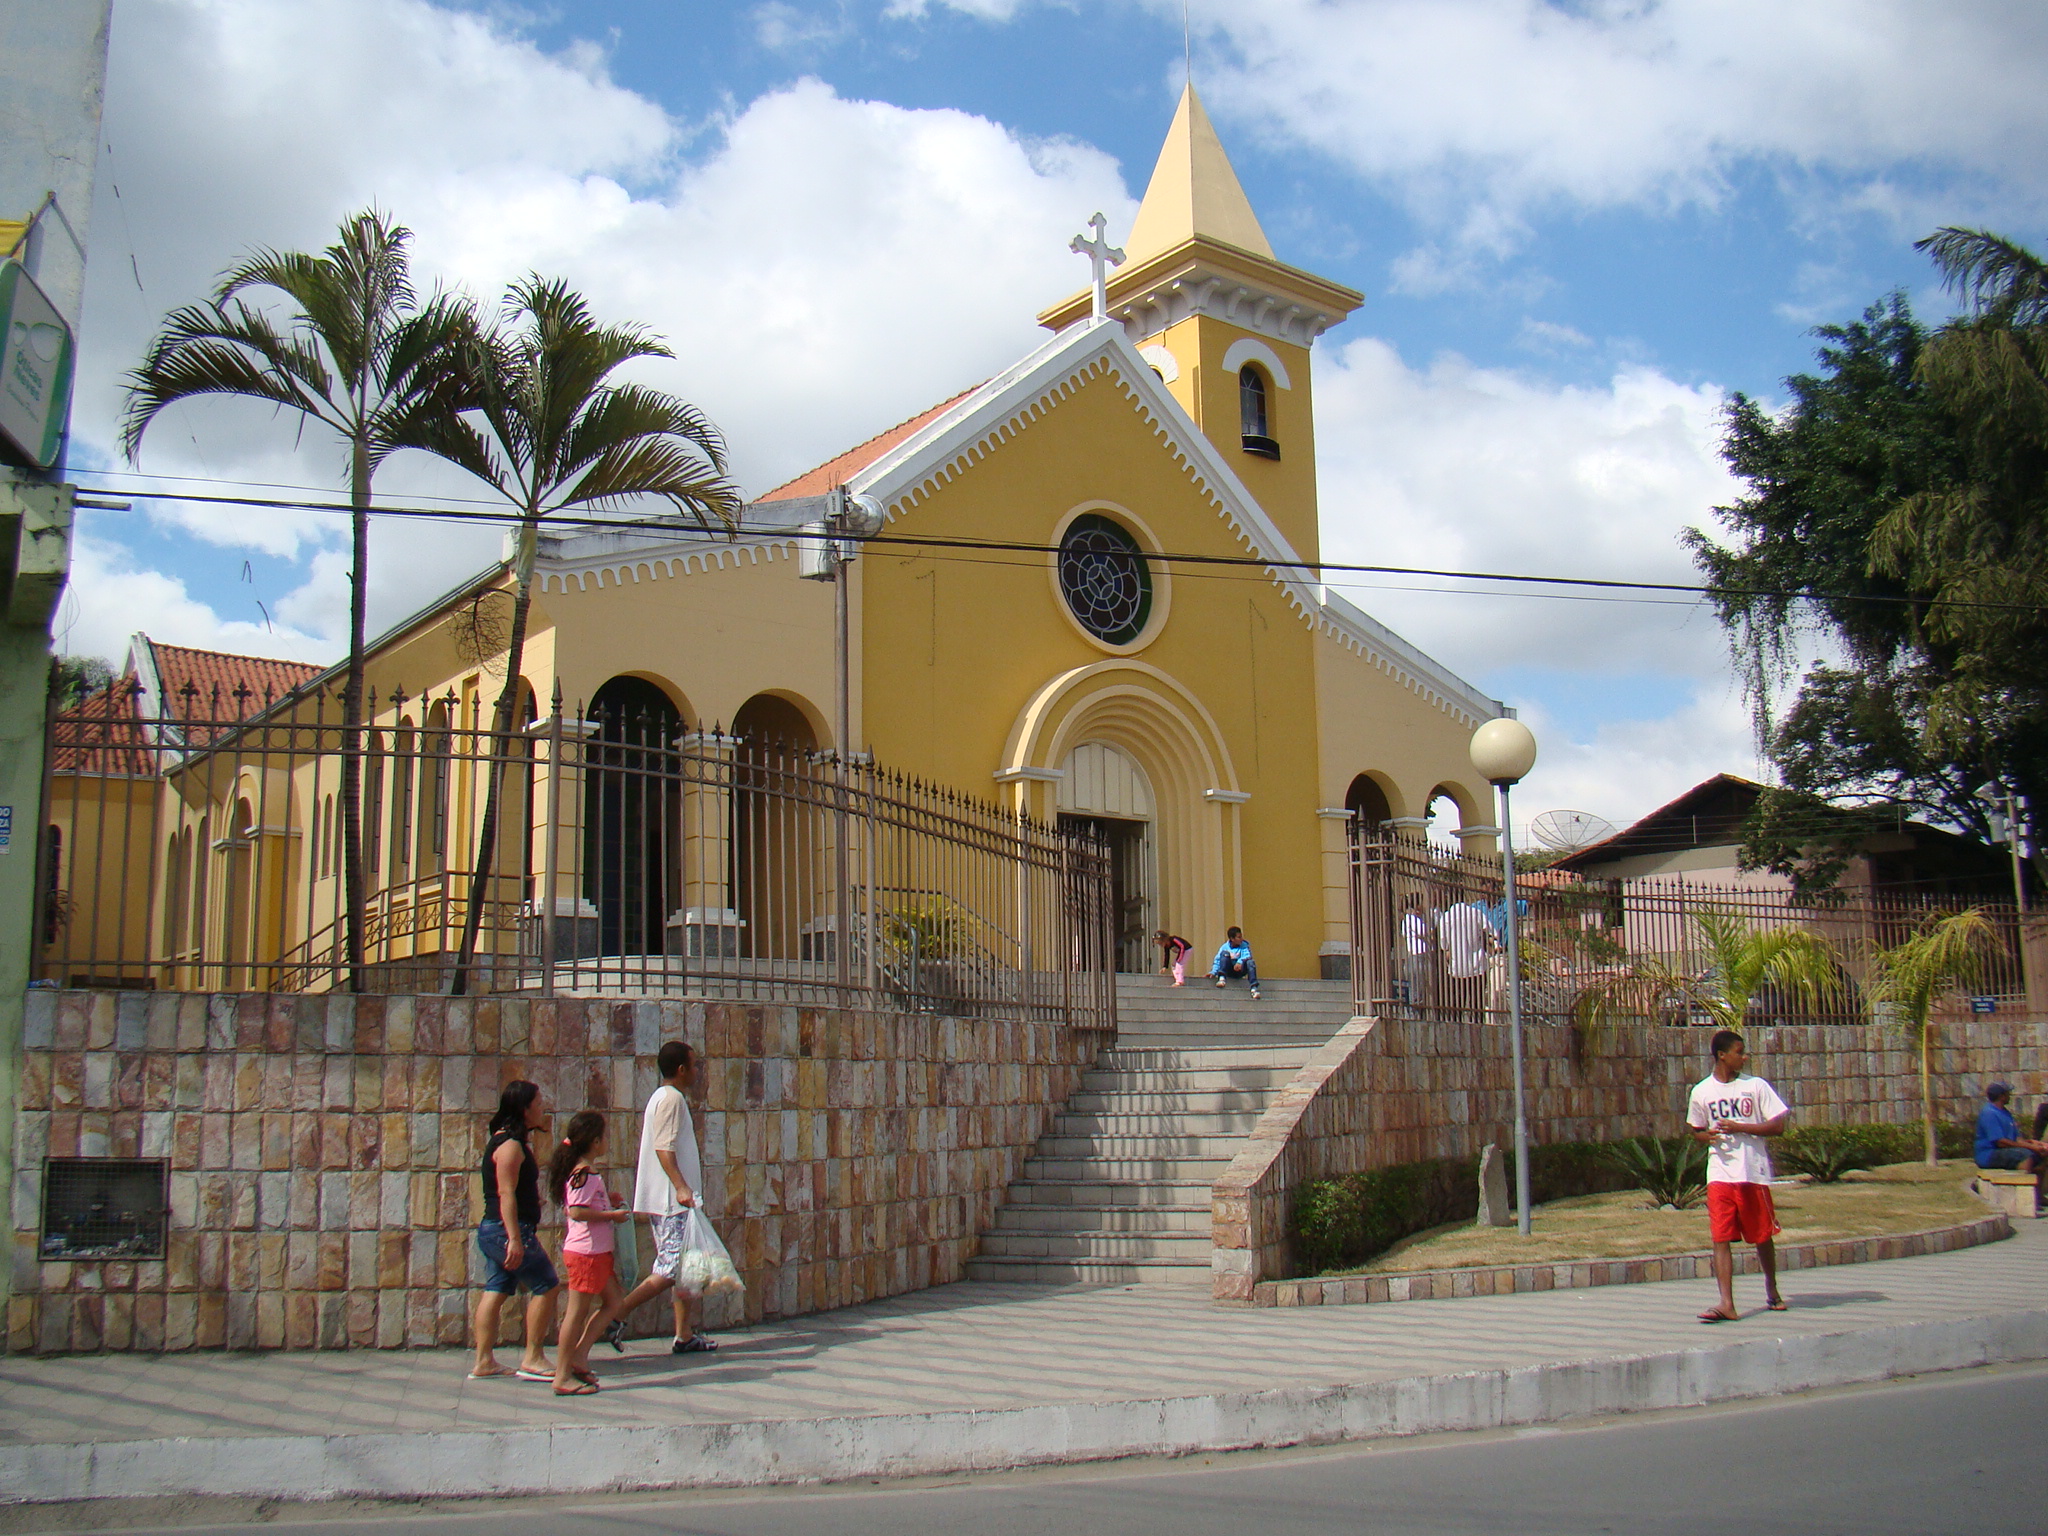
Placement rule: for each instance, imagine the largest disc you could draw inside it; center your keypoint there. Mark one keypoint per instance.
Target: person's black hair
(513, 1100)
(1723, 1038)
(1998, 1091)
(1233, 933)
(672, 1058)
(586, 1130)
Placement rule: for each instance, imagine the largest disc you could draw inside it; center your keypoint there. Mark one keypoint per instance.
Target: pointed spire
(1194, 191)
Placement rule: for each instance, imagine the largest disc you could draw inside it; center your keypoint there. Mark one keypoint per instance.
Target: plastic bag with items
(706, 1268)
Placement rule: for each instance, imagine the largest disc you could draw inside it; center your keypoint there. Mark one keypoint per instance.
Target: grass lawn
(1905, 1197)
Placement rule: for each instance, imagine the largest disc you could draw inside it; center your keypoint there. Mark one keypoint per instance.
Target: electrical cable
(1014, 546)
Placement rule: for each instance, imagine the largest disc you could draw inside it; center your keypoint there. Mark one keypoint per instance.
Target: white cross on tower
(1101, 256)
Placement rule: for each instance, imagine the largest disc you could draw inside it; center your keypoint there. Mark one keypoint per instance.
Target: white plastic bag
(706, 1268)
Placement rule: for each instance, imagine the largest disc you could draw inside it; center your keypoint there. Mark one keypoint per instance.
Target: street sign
(6, 828)
(1983, 1005)
(35, 368)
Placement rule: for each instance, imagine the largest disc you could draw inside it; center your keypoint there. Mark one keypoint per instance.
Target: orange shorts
(589, 1273)
(1736, 1213)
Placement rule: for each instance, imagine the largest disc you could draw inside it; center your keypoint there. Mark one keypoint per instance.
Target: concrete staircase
(1117, 1190)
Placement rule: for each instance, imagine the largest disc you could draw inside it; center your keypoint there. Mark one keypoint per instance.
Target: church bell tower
(1227, 326)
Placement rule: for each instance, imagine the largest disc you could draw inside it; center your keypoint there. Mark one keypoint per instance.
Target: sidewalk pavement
(983, 1375)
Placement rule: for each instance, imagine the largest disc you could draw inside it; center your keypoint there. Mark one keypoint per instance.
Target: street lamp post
(1504, 751)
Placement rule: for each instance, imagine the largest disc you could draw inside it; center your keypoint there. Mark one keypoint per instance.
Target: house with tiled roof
(1085, 589)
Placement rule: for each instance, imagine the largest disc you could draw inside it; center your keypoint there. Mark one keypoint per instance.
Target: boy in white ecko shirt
(1730, 1113)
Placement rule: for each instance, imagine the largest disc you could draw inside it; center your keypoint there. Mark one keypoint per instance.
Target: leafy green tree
(73, 679)
(353, 349)
(1946, 955)
(545, 426)
(1901, 489)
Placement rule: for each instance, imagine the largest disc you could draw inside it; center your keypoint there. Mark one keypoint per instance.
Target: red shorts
(589, 1273)
(1736, 1213)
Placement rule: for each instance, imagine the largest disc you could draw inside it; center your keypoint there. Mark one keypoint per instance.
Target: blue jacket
(1239, 953)
(1993, 1126)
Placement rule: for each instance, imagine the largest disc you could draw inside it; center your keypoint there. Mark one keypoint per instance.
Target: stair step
(1125, 1148)
(1188, 1248)
(1036, 1216)
(1287, 1055)
(1203, 1123)
(1138, 1169)
(1211, 1101)
(1083, 1192)
(1085, 1272)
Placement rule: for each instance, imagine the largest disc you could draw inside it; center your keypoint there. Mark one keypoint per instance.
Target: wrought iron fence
(204, 851)
(1427, 931)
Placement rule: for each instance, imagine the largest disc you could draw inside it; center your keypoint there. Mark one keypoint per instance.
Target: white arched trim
(1248, 349)
(1162, 359)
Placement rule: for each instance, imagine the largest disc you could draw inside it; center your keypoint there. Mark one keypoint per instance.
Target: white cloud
(821, 266)
(1457, 467)
(1631, 767)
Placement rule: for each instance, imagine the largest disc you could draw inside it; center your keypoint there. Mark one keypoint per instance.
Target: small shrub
(1823, 1153)
(1670, 1172)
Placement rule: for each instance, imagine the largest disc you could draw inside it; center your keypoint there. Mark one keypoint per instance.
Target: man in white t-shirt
(1464, 936)
(1730, 1113)
(669, 1175)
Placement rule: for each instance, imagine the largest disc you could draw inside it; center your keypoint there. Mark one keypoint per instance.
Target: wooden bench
(2010, 1192)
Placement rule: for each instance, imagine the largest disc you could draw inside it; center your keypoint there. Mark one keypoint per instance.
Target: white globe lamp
(1503, 752)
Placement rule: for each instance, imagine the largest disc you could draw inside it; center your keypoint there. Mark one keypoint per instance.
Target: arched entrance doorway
(632, 827)
(1104, 792)
(1367, 802)
(779, 868)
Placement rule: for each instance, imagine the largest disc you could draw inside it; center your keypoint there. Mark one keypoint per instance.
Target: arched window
(1253, 419)
(401, 801)
(373, 812)
(434, 775)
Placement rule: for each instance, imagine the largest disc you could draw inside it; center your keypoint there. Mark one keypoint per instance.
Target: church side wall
(323, 1151)
(1390, 1091)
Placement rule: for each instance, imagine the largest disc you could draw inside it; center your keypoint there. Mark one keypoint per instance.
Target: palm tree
(357, 352)
(1741, 962)
(545, 428)
(1947, 954)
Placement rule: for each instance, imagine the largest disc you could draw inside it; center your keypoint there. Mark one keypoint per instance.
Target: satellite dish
(1569, 831)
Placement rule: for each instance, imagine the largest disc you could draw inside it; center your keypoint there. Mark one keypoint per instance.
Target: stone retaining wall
(1392, 1091)
(324, 1151)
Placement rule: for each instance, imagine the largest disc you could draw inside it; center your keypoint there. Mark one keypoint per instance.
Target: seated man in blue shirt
(1999, 1143)
(1235, 959)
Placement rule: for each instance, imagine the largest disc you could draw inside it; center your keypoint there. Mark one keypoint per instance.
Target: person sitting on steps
(1235, 959)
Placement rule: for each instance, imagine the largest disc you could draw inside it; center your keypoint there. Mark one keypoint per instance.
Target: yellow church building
(1092, 592)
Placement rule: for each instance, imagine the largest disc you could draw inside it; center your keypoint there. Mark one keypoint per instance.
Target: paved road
(1941, 1455)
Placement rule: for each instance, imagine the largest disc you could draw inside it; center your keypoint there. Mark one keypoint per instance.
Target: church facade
(1092, 594)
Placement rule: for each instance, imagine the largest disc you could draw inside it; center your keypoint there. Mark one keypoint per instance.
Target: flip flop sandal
(1779, 1305)
(525, 1375)
(589, 1377)
(581, 1389)
(696, 1344)
(487, 1375)
(1716, 1316)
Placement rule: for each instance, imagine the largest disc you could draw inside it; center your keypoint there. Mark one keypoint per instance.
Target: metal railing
(1427, 924)
(203, 851)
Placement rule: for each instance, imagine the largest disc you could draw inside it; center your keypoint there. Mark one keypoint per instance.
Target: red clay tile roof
(214, 685)
(838, 471)
(102, 733)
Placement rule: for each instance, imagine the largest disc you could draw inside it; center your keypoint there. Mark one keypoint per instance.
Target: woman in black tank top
(512, 1252)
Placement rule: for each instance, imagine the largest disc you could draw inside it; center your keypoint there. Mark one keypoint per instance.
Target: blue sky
(1578, 225)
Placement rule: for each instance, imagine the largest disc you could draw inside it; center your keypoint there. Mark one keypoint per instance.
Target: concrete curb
(1581, 1274)
(597, 1459)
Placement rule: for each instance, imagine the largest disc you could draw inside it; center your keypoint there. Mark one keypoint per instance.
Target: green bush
(1342, 1223)
(1672, 1172)
(1825, 1152)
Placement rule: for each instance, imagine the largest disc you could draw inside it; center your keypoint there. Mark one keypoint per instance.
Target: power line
(1014, 546)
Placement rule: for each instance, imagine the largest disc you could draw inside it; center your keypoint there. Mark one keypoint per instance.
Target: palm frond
(1990, 273)
(1947, 954)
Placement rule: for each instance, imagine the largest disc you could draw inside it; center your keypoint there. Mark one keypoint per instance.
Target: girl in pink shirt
(592, 1212)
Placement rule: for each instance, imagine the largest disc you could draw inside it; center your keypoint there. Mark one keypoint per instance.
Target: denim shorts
(536, 1270)
(2006, 1159)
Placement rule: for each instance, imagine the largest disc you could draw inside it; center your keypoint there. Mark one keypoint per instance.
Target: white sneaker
(1255, 993)
(1221, 982)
